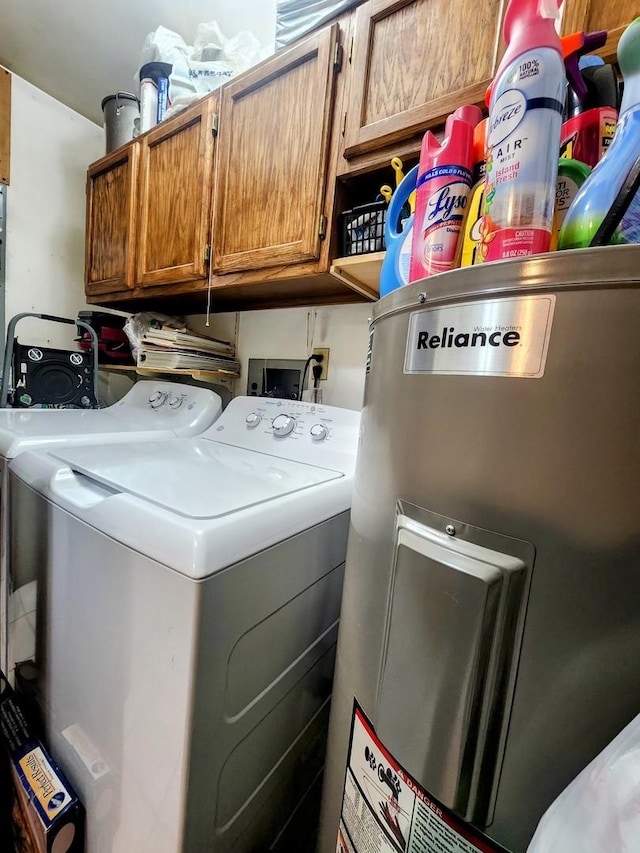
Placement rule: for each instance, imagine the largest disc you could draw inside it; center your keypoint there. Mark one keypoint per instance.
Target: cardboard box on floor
(47, 815)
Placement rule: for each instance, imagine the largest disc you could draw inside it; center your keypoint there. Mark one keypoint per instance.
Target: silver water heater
(489, 641)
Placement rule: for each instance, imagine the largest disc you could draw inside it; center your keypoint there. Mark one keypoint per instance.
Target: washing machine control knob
(283, 425)
(319, 432)
(252, 420)
(157, 399)
(176, 402)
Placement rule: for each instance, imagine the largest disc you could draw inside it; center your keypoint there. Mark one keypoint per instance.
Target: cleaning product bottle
(525, 115)
(398, 233)
(571, 176)
(591, 110)
(442, 193)
(611, 184)
(469, 241)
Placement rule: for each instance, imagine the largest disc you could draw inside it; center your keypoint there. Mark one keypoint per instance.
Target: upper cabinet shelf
(224, 376)
(362, 272)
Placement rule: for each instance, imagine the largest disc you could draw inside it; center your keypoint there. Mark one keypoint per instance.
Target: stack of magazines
(175, 349)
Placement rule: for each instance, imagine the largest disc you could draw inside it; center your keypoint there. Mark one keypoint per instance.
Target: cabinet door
(414, 62)
(176, 173)
(273, 153)
(111, 222)
(591, 15)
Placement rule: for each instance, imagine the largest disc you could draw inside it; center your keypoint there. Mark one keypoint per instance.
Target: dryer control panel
(186, 409)
(149, 410)
(306, 432)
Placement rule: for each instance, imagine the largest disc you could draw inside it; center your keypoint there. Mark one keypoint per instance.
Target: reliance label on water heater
(495, 337)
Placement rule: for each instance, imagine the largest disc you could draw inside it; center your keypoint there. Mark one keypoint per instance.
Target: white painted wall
(80, 52)
(51, 147)
(293, 333)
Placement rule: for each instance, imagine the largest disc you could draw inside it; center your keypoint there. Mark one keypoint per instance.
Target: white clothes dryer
(149, 410)
(188, 631)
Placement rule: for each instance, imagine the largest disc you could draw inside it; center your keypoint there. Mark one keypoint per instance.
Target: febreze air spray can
(442, 194)
(525, 117)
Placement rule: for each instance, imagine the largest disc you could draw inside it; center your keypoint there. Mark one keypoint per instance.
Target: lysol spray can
(442, 194)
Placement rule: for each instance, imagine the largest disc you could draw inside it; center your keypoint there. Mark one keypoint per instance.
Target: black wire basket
(363, 229)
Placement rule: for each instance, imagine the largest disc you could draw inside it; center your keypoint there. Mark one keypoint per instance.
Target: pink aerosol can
(442, 194)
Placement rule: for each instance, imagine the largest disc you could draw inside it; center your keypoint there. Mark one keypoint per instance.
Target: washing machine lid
(194, 478)
(22, 428)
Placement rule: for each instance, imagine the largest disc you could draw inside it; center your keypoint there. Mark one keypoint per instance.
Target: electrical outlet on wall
(324, 351)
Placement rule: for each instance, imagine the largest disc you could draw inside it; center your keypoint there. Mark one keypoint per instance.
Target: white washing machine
(149, 410)
(188, 629)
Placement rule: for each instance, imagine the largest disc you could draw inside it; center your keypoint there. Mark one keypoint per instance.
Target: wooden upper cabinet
(590, 15)
(272, 160)
(174, 197)
(414, 62)
(111, 222)
(5, 125)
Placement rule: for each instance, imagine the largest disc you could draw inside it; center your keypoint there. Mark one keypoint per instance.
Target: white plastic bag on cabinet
(599, 812)
(204, 66)
(239, 52)
(163, 45)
